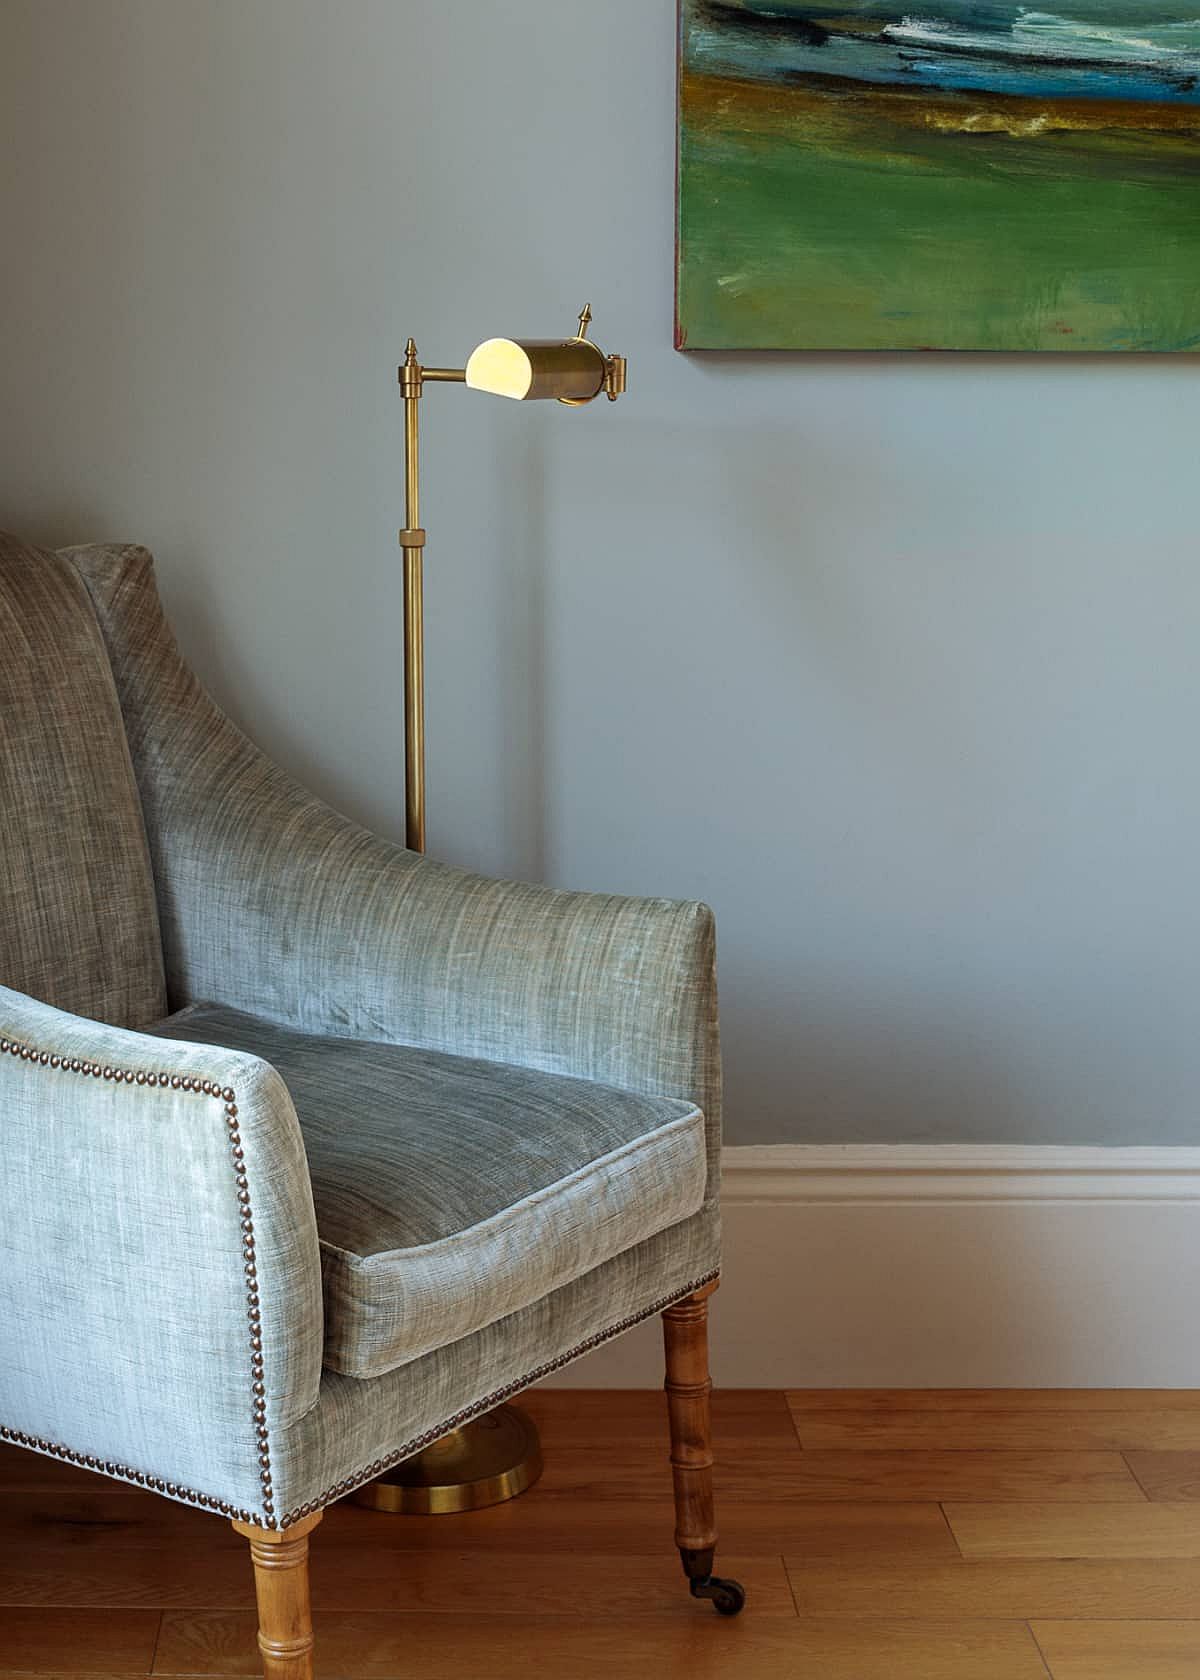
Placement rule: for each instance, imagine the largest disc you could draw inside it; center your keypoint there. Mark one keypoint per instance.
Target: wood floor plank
(808, 1529)
(582, 1414)
(699, 1647)
(1010, 1430)
(1008, 1588)
(1074, 1476)
(20, 1469)
(365, 1578)
(615, 1445)
(637, 1470)
(610, 1461)
(107, 1516)
(1047, 1530)
(102, 1642)
(1167, 1475)
(1119, 1650)
(994, 1399)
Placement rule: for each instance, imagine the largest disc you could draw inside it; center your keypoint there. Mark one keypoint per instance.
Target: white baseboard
(947, 1266)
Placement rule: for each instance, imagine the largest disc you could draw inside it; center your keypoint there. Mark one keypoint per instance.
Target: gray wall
(895, 662)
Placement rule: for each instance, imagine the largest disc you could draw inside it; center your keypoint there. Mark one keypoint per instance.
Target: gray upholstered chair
(313, 1148)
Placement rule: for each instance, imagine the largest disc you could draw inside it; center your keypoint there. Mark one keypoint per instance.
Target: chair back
(78, 919)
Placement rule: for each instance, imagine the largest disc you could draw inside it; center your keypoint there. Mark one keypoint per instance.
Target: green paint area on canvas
(1013, 196)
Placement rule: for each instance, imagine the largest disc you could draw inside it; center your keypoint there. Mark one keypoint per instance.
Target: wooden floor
(959, 1536)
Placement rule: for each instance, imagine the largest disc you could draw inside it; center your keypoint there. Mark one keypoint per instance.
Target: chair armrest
(160, 1282)
(273, 903)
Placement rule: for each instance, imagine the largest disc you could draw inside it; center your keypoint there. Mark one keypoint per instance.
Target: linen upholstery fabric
(450, 1192)
(273, 903)
(359, 1427)
(78, 924)
(122, 1287)
(122, 1282)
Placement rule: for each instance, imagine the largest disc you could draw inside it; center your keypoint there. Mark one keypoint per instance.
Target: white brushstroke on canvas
(1046, 35)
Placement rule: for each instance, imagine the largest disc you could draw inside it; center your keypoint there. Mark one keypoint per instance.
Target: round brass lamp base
(485, 1462)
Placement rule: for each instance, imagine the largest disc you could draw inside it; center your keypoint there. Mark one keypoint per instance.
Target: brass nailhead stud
(187, 1083)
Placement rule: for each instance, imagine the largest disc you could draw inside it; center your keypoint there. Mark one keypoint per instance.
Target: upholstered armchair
(313, 1148)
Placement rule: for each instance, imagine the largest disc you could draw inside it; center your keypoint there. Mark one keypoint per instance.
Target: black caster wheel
(728, 1597)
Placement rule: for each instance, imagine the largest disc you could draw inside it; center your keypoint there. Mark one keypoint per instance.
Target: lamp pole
(412, 541)
(574, 371)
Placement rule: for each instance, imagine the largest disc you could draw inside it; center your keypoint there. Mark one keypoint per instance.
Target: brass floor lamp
(499, 1455)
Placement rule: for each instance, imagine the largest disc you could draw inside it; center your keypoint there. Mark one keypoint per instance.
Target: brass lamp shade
(572, 370)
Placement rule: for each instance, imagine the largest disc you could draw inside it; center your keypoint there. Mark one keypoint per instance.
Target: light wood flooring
(996, 1535)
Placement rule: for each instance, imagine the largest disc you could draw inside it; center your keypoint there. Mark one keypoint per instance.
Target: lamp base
(492, 1459)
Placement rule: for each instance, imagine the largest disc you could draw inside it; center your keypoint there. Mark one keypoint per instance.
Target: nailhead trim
(267, 1518)
(121, 1472)
(369, 1472)
(228, 1097)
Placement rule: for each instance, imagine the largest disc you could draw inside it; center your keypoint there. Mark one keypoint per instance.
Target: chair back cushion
(78, 920)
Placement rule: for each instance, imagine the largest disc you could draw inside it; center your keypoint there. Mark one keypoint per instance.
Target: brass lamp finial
(573, 370)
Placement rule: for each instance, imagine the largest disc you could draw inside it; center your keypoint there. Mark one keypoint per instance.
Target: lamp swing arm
(574, 371)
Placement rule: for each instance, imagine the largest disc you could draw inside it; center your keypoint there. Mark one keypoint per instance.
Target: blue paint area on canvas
(945, 45)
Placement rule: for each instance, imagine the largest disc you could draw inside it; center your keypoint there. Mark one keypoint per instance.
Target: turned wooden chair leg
(688, 1386)
(285, 1634)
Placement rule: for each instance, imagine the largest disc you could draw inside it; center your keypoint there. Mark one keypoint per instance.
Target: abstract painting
(958, 175)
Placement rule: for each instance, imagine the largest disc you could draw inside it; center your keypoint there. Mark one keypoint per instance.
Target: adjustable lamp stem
(573, 370)
(412, 541)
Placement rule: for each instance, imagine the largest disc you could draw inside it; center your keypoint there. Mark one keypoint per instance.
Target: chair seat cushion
(450, 1192)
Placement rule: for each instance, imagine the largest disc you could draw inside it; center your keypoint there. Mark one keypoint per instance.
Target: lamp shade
(570, 369)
